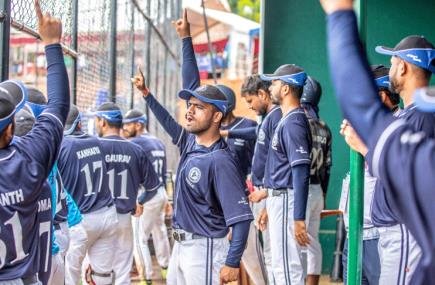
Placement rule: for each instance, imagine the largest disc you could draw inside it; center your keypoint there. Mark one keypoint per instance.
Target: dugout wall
(294, 32)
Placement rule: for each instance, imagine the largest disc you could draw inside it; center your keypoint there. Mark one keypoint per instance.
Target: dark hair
(295, 90)
(36, 96)
(394, 97)
(253, 84)
(110, 106)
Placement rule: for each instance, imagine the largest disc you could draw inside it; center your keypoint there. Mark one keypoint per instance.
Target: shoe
(148, 282)
(164, 272)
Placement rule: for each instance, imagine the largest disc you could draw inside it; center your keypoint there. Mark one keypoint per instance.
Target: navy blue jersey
(242, 148)
(128, 169)
(82, 167)
(383, 212)
(156, 153)
(25, 166)
(209, 189)
(46, 207)
(290, 146)
(402, 158)
(60, 210)
(264, 136)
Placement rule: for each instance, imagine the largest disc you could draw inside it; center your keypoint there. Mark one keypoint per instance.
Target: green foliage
(246, 8)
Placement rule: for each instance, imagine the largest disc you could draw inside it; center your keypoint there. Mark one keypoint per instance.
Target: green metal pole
(112, 49)
(356, 195)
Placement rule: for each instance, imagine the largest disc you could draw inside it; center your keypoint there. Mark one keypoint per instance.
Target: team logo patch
(194, 174)
(275, 141)
(261, 136)
(301, 150)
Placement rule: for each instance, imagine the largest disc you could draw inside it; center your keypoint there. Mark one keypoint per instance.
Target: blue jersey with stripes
(209, 189)
(128, 169)
(156, 153)
(264, 136)
(83, 170)
(383, 212)
(290, 146)
(242, 148)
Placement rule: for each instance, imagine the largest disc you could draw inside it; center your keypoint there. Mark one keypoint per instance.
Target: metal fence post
(74, 32)
(112, 50)
(5, 28)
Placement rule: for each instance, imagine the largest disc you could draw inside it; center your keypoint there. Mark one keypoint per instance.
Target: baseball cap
(380, 73)
(73, 118)
(13, 95)
(24, 121)
(413, 49)
(134, 116)
(229, 94)
(289, 73)
(110, 112)
(312, 92)
(424, 99)
(208, 94)
(36, 101)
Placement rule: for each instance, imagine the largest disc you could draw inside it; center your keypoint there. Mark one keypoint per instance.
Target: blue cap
(229, 94)
(416, 50)
(208, 94)
(289, 73)
(135, 116)
(15, 92)
(113, 116)
(424, 99)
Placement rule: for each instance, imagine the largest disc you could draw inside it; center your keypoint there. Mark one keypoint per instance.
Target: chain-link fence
(143, 36)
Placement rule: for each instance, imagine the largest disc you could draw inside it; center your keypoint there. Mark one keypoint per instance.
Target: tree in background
(246, 8)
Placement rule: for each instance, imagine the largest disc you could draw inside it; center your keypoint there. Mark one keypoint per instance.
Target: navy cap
(416, 50)
(208, 94)
(424, 99)
(13, 95)
(24, 121)
(289, 73)
(74, 117)
(229, 94)
(380, 73)
(110, 112)
(312, 92)
(135, 116)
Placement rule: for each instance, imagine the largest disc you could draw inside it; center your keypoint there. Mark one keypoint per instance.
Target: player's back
(84, 173)
(321, 149)
(155, 151)
(127, 169)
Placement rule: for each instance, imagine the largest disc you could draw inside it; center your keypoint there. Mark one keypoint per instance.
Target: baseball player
(83, 171)
(128, 169)
(209, 190)
(153, 219)
(25, 196)
(287, 176)
(371, 267)
(321, 163)
(398, 154)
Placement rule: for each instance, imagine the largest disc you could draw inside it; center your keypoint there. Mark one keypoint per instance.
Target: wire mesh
(144, 37)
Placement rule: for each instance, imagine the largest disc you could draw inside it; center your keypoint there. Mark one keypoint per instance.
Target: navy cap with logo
(13, 96)
(424, 99)
(207, 94)
(229, 94)
(135, 116)
(416, 50)
(289, 73)
(380, 73)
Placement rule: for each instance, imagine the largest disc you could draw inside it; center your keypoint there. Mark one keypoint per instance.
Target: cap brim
(268, 77)
(423, 101)
(17, 91)
(385, 50)
(185, 94)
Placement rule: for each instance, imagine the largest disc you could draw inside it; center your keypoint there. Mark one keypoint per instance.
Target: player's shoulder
(246, 122)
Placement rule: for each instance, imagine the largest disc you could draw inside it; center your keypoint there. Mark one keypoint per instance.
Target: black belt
(183, 236)
(30, 280)
(276, 192)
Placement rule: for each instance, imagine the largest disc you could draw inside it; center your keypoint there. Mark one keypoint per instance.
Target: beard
(129, 134)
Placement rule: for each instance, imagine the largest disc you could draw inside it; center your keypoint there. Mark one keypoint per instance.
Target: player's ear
(403, 67)
(263, 95)
(217, 117)
(7, 135)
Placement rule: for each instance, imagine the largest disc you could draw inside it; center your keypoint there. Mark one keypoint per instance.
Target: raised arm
(189, 68)
(354, 85)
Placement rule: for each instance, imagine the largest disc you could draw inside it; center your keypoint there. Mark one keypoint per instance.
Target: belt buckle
(178, 236)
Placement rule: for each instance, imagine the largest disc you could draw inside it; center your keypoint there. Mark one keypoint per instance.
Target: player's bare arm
(352, 138)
